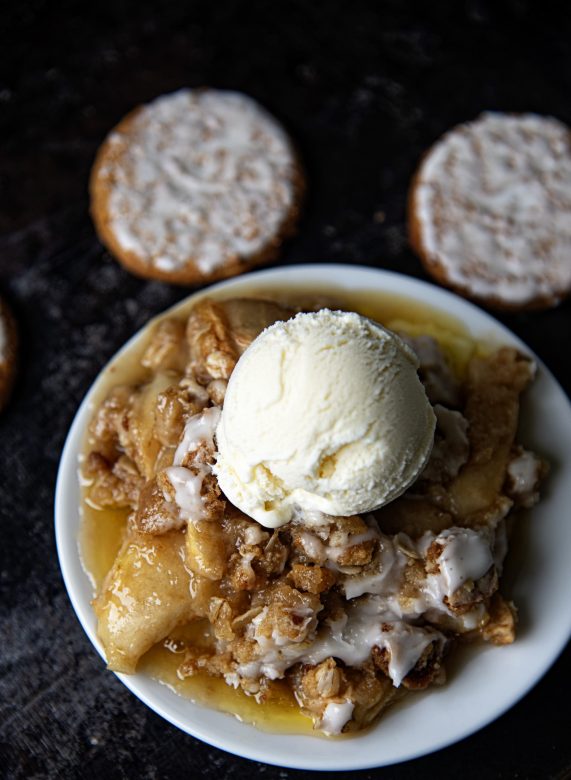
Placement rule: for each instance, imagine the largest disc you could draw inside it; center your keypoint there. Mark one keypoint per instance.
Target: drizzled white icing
(405, 643)
(187, 487)
(198, 430)
(330, 554)
(381, 618)
(306, 622)
(384, 578)
(312, 518)
(334, 552)
(524, 472)
(313, 547)
(523, 476)
(365, 624)
(335, 716)
(493, 201)
(186, 482)
(255, 534)
(466, 556)
(200, 177)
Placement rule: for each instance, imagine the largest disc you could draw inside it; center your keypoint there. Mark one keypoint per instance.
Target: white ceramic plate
(478, 691)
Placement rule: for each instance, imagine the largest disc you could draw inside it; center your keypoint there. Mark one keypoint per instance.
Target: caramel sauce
(275, 711)
(103, 530)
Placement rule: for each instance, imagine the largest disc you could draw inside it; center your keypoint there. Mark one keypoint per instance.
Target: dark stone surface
(363, 89)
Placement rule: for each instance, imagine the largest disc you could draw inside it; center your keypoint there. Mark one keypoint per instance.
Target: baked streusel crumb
(349, 613)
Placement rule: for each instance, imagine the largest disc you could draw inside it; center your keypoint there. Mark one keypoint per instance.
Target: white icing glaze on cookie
(493, 203)
(200, 177)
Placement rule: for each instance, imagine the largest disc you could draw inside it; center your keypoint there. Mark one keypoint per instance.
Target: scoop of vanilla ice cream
(324, 412)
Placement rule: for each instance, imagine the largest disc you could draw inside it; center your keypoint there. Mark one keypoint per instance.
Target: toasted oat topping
(349, 611)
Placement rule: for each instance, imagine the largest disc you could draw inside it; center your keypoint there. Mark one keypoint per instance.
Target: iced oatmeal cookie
(490, 210)
(197, 185)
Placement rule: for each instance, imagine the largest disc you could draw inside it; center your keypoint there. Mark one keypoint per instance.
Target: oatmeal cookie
(490, 211)
(197, 185)
(8, 349)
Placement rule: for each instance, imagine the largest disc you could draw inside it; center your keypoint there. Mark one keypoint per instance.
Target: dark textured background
(363, 89)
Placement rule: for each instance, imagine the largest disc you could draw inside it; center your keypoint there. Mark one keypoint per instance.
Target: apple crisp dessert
(341, 615)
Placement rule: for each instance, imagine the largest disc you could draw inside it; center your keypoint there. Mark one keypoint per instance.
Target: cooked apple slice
(218, 332)
(492, 410)
(143, 443)
(248, 317)
(144, 596)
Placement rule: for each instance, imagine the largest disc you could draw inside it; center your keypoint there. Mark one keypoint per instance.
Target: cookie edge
(189, 275)
(8, 366)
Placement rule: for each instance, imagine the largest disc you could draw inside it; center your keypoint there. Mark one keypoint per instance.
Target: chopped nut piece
(274, 558)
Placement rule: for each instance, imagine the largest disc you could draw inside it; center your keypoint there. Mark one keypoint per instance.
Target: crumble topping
(349, 611)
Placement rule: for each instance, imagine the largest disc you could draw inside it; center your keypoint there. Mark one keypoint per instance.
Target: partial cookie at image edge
(8, 353)
(103, 176)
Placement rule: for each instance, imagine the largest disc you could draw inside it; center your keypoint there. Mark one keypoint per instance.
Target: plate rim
(70, 558)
